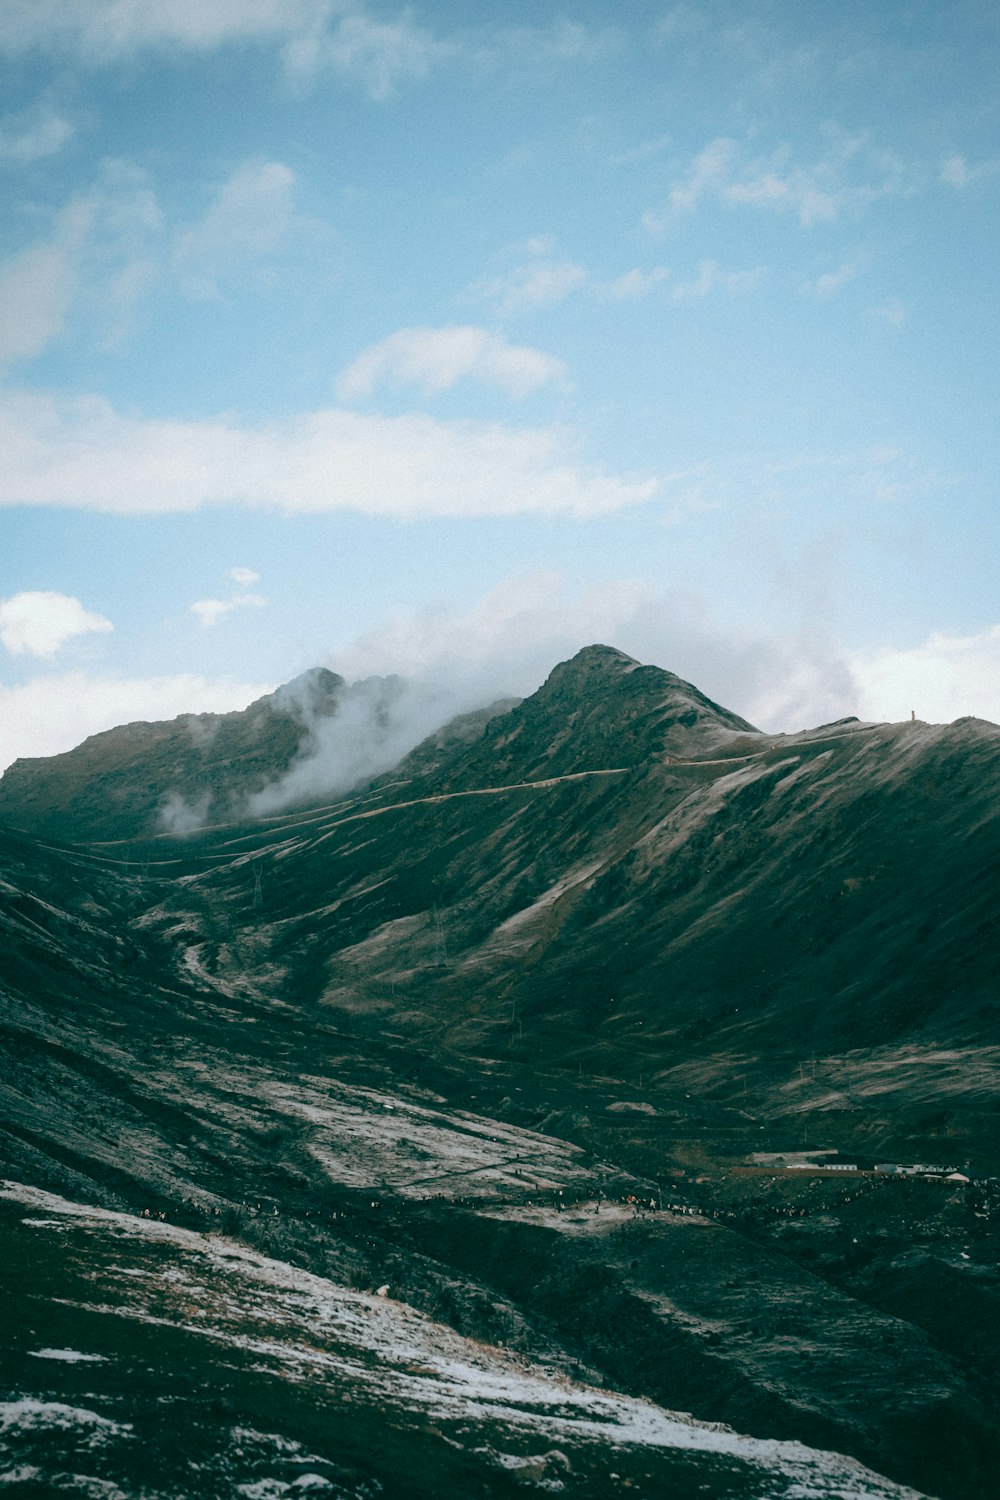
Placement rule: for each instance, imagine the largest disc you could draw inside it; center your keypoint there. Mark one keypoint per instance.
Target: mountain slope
(311, 739)
(611, 943)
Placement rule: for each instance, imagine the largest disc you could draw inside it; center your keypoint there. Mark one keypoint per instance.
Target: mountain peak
(314, 691)
(593, 662)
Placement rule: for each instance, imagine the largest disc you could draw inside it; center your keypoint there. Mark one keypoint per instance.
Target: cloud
(312, 35)
(528, 49)
(943, 678)
(377, 722)
(830, 282)
(707, 172)
(99, 258)
(36, 291)
(53, 713)
(249, 219)
(958, 173)
(541, 281)
(106, 31)
(380, 55)
(632, 285)
(437, 358)
(244, 578)
(847, 178)
(40, 623)
(711, 279)
(211, 611)
(894, 313)
(509, 640)
(108, 247)
(34, 133)
(84, 454)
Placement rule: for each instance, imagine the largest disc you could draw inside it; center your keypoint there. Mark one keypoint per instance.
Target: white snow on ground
(362, 1137)
(29, 1415)
(313, 1331)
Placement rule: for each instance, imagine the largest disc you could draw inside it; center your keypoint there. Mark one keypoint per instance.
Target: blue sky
(448, 339)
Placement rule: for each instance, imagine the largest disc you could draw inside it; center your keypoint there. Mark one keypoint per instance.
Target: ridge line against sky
(446, 340)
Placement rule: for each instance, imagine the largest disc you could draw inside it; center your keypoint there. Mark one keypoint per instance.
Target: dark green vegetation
(610, 942)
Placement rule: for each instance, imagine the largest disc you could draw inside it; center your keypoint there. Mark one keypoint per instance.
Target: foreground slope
(315, 1389)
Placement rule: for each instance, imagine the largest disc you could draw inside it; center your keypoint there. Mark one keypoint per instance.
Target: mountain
(601, 709)
(314, 736)
(145, 778)
(433, 1035)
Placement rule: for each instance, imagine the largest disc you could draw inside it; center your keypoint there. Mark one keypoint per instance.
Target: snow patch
(30, 1415)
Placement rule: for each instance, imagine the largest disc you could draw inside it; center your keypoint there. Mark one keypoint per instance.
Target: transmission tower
(258, 895)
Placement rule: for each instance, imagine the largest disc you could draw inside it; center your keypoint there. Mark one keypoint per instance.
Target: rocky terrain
(519, 1033)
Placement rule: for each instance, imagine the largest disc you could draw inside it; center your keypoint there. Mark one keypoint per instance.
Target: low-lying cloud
(510, 639)
(375, 723)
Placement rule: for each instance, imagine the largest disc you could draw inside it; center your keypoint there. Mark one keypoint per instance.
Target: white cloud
(84, 454)
(105, 30)
(958, 173)
(711, 279)
(99, 257)
(539, 282)
(710, 168)
(955, 171)
(40, 623)
(632, 285)
(36, 290)
(313, 35)
(108, 247)
(944, 678)
(211, 611)
(380, 55)
(830, 282)
(525, 49)
(436, 358)
(244, 578)
(53, 713)
(510, 639)
(894, 312)
(848, 177)
(34, 133)
(249, 219)
(358, 43)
